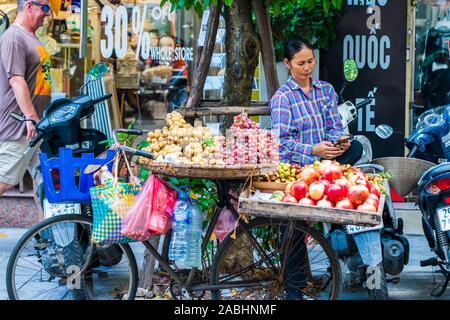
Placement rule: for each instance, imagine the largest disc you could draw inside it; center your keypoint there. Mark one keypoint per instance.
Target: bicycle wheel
(272, 266)
(48, 258)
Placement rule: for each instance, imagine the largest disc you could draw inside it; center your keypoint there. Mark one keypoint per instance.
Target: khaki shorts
(14, 163)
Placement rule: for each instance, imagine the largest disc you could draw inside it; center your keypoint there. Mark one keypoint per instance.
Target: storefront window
(432, 66)
(151, 51)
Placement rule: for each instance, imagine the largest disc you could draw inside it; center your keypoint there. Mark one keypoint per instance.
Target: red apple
(335, 192)
(299, 189)
(366, 207)
(345, 204)
(309, 175)
(325, 203)
(316, 190)
(288, 198)
(332, 172)
(357, 194)
(306, 202)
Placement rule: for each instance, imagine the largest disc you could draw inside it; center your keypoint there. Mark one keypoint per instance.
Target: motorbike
(369, 253)
(430, 141)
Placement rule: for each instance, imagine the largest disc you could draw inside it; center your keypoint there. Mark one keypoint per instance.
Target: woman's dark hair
(295, 45)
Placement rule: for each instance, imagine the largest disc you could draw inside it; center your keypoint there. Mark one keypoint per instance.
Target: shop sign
(373, 33)
(115, 38)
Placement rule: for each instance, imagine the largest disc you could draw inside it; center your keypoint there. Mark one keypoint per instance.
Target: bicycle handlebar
(133, 151)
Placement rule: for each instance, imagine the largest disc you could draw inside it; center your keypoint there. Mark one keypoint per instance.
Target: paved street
(415, 282)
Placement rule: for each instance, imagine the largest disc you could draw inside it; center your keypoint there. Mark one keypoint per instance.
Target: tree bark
(148, 266)
(267, 47)
(243, 49)
(201, 71)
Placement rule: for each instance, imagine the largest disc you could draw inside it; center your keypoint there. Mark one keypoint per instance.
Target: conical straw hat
(406, 172)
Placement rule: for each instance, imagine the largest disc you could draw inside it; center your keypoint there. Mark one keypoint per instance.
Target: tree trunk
(201, 71)
(148, 266)
(267, 47)
(242, 53)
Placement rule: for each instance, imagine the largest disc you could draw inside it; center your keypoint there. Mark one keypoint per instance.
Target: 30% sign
(116, 34)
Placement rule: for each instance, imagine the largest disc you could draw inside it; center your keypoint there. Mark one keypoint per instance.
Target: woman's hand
(327, 150)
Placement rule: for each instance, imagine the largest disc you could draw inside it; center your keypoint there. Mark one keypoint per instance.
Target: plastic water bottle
(194, 236)
(180, 219)
(106, 177)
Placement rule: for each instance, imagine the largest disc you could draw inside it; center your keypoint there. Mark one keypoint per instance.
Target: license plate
(444, 218)
(56, 209)
(351, 229)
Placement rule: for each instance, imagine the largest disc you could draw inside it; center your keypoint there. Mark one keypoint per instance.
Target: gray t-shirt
(22, 54)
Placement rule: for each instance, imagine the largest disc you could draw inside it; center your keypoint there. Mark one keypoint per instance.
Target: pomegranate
(309, 175)
(366, 207)
(375, 189)
(323, 165)
(306, 202)
(344, 183)
(288, 198)
(372, 201)
(287, 189)
(316, 190)
(336, 192)
(326, 183)
(325, 203)
(332, 172)
(299, 189)
(357, 194)
(345, 204)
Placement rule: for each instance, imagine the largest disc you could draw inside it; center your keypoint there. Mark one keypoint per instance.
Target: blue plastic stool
(69, 191)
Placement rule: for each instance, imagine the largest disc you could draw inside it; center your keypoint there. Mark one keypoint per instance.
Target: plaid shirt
(303, 120)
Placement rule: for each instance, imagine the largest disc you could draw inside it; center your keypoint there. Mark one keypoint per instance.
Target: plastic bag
(163, 200)
(135, 221)
(225, 224)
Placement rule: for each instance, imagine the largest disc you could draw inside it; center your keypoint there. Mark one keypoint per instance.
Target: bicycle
(257, 272)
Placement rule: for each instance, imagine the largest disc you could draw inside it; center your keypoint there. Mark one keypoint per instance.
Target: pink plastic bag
(135, 221)
(164, 198)
(225, 224)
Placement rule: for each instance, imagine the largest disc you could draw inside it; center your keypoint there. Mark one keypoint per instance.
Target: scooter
(368, 253)
(60, 127)
(431, 141)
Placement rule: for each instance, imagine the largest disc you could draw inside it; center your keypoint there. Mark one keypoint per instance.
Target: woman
(304, 112)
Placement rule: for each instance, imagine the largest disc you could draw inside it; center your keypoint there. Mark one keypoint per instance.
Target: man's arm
(23, 98)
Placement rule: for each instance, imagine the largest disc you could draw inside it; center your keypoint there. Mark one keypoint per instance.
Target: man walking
(25, 87)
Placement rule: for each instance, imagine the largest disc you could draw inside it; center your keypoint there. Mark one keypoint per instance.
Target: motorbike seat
(432, 173)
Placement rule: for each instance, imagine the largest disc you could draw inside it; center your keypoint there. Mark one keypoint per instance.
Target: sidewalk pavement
(416, 283)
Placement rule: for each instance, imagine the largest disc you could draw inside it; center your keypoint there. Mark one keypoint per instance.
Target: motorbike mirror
(350, 70)
(384, 131)
(97, 71)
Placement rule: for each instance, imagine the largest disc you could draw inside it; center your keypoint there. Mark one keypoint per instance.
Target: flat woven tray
(209, 172)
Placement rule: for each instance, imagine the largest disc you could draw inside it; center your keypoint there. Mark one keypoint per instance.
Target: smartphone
(342, 140)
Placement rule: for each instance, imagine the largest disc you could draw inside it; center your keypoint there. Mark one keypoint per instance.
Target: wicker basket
(210, 172)
(406, 172)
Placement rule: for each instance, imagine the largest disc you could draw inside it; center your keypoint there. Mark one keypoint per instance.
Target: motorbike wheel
(380, 293)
